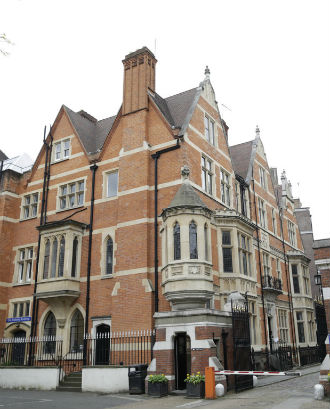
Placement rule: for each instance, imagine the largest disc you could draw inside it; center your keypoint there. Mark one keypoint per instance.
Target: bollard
(209, 383)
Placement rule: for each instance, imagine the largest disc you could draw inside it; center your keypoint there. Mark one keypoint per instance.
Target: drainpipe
(288, 283)
(259, 259)
(34, 300)
(156, 156)
(93, 168)
(48, 175)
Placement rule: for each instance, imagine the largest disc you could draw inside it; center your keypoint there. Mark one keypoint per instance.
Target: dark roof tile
(240, 157)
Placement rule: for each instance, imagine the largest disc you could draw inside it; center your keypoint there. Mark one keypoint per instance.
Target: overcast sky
(269, 62)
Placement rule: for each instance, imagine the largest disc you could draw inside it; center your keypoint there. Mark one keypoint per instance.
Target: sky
(269, 63)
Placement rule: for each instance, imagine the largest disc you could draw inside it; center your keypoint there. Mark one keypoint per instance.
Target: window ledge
(60, 160)
(107, 276)
(21, 284)
(69, 209)
(28, 219)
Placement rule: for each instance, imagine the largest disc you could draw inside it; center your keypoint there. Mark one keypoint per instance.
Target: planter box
(157, 389)
(196, 390)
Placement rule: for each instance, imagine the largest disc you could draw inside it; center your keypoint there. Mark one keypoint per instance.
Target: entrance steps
(72, 382)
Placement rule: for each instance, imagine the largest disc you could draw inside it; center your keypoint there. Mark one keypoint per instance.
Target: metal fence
(310, 355)
(112, 348)
(279, 358)
(31, 351)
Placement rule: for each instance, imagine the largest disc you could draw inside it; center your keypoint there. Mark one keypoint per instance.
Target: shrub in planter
(157, 385)
(195, 385)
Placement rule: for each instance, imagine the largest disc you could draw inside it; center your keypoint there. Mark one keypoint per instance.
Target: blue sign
(18, 319)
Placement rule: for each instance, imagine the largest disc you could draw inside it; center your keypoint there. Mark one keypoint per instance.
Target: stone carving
(195, 270)
(207, 270)
(185, 172)
(176, 270)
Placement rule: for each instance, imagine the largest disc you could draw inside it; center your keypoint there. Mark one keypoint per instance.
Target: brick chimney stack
(139, 75)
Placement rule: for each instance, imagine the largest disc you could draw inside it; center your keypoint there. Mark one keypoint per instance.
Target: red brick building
(78, 231)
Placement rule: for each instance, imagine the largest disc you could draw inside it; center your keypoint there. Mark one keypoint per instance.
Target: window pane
(227, 260)
(112, 184)
(27, 200)
(54, 259)
(64, 190)
(226, 238)
(28, 270)
(27, 308)
(20, 272)
(57, 151)
(73, 188)
(71, 201)
(81, 186)
(46, 260)
(212, 132)
(30, 253)
(22, 254)
(63, 203)
(26, 212)
(206, 125)
(61, 258)
(74, 257)
(21, 307)
(109, 257)
(177, 244)
(193, 240)
(15, 310)
(80, 199)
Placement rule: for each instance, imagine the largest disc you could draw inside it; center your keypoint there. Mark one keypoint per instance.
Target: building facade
(149, 219)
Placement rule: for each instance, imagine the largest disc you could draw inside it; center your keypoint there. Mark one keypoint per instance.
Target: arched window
(46, 259)
(206, 242)
(176, 240)
(77, 332)
(54, 259)
(193, 240)
(109, 257)
(61, 257)
(50, 333)
(74, 257)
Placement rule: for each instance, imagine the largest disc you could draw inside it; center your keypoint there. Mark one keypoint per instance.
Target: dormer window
(62, 150)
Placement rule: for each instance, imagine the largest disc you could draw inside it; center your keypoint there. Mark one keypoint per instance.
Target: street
(285, 392)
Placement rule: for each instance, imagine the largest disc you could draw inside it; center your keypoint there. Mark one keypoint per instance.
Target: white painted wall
(40, 378)
(105, 380)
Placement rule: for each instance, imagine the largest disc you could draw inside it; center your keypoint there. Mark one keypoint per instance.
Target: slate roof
(321, 243)
(175, 108)
(3, 156)
(240, 157)
(186, 196)
(92, 133)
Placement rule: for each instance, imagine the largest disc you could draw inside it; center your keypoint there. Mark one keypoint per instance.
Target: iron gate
(242, 345)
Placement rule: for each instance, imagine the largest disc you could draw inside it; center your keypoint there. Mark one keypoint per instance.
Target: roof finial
(207, 73)
(257, 132)
(185, 171)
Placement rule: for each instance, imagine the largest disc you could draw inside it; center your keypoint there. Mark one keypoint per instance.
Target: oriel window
(193, 240)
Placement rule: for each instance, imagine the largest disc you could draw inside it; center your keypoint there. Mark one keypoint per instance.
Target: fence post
(209, 383)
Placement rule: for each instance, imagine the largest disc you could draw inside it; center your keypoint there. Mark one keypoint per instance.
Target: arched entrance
(102, 348)
(182, 359)
(18, 352)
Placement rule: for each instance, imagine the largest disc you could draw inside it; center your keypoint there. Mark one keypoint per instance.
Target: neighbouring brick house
(224, 224)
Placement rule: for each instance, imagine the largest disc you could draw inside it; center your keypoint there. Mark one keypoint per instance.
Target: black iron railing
(280, 358)
(269, 282)
(310, 355)
(31, 351)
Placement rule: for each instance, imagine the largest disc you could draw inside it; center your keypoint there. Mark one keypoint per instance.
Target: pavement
(273, 392)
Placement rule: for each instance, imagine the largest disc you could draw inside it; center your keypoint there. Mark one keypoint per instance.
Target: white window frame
(225, 187)
(274, 221)
(292, 233)
(24, 265)
(283, 325)
(244, 249)
(209, 124)
(105, 182)
(263, 178)
(64, 151)
(262, 213)
(306, 280)
(68, 195)
(207, 174)
(28, 203)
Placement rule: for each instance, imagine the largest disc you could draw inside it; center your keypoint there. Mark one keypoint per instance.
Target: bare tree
(4, 39)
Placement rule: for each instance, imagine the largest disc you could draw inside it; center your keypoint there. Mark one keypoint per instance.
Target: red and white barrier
(257, 373)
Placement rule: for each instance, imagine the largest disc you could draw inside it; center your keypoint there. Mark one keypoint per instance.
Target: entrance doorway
(18, 352)
(102, 348)
(182, 359)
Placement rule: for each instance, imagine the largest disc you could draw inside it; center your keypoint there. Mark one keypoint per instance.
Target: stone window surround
(19, 261)
(58, 196)
(105, 183)
(14, 301)
(61, 141)
(263, 177)
(97, 321)
(106, 233)
(227, 188)
(22, 218)
(211, 125)
(283, 324)
(69, 235)
(208, 173)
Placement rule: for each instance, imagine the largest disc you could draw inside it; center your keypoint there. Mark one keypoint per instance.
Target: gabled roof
(91, 132)
(241, 158)
(3, 156)
(176, 108)
(186, 196)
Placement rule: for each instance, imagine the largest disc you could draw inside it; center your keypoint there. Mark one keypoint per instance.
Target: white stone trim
(326, 293)
(7, 219)
(5, 284)
(3, 193)
(3, 306)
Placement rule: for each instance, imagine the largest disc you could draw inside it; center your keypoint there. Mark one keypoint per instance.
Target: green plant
(195, 378)
(329, 377)
(157, 378)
